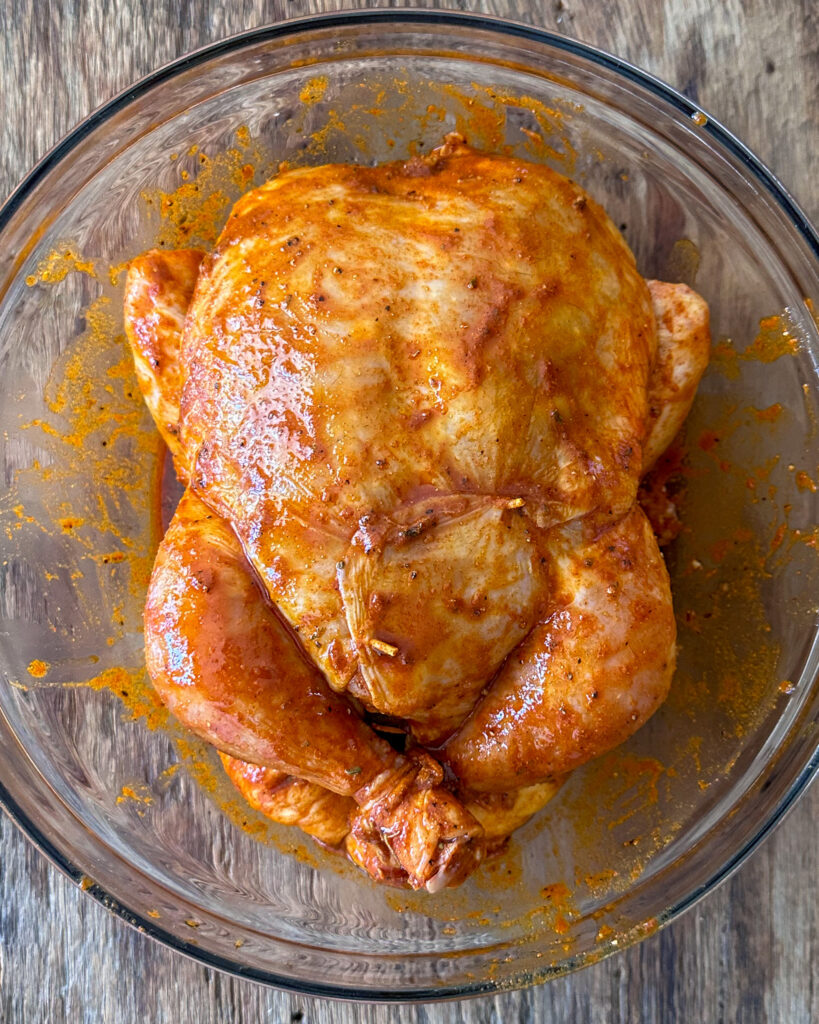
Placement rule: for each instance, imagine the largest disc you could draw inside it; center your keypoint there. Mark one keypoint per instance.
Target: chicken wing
(158, 291)
(291, 800)
(684, 343)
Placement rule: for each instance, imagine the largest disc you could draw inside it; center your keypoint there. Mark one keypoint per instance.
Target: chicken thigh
(412, 404)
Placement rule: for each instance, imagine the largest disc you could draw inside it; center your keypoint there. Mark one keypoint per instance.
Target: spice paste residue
(194, 213)
(773, 341)
(57, 265)
(351, 121)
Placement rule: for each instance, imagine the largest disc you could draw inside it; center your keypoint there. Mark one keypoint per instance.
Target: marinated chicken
(409, 586)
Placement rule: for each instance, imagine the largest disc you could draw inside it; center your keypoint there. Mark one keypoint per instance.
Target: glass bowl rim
(421, 17)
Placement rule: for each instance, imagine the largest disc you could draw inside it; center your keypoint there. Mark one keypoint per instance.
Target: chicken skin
(412, 405)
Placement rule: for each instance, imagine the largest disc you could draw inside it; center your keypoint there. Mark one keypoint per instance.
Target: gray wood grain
(750, 951)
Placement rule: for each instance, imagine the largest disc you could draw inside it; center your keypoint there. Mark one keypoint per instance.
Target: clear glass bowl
(141, 816)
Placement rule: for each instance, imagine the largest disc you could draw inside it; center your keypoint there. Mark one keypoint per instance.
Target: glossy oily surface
(759, 288)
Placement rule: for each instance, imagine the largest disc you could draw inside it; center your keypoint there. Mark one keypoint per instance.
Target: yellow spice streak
(601, 881)
(57, 265)
(135, 692)
(772, 341)
(115, 272)
(482, 119)
(141, 795)
(196, 211)
(314, 90)
(558, 903)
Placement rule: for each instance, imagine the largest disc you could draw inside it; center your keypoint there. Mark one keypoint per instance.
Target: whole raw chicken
(412, 405)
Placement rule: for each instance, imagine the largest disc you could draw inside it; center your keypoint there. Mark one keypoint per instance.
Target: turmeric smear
(423, 113)
(635, 782)
(58, 264)
(95, 475)
(69, 523)
(196, 211)
(37, 668)
(557, 893)
(558, 903)
(561, 924)
(769, 415)
(482, 112)
(320, 138)
(730, 665)
(189, 216)
(115, 272)
(314, 89)
(708, 440)
(601, 881)
(140, 795)
(108, 557)
(742, 535)
(132, 688)
(809, 539)
(772, 341)
(778, 537)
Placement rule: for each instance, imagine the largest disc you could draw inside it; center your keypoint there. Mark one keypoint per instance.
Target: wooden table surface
(748, 952)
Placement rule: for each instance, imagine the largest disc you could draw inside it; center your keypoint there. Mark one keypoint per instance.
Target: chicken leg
(594, 669)
(199, 643)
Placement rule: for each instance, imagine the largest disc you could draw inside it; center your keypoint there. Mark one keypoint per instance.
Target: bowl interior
(137, 808)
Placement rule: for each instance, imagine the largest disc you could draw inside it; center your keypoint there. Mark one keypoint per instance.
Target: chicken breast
(368, 387)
